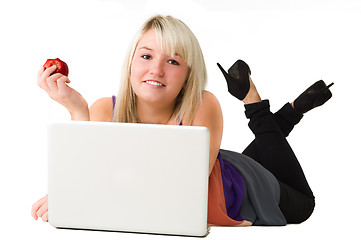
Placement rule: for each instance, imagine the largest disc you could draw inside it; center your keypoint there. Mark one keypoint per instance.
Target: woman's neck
(148, 113)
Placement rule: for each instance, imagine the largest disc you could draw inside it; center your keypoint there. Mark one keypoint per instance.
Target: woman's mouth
(154, 83)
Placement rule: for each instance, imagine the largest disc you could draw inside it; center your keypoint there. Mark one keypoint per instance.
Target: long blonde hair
(175, 38)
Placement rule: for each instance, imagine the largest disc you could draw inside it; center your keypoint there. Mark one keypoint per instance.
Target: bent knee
(300, 212)
(296, 206)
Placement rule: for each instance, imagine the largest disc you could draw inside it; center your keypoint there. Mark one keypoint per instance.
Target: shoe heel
(225, 74)
(330, 85)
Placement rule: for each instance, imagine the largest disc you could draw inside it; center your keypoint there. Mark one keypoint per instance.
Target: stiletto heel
(314, 96)
(237, 79)
(330, 85)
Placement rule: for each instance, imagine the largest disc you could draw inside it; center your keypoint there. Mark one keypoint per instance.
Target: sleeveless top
(240, 188)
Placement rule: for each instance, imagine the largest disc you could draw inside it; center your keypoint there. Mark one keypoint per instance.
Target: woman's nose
(157, 68)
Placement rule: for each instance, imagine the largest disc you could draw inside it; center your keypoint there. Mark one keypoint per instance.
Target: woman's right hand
(40, 209)
(57, 88)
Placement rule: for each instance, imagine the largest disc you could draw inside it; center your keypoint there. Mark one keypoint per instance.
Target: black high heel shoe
(314, 96)
(237, 79)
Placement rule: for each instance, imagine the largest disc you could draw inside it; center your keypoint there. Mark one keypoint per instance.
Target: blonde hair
(175, 38)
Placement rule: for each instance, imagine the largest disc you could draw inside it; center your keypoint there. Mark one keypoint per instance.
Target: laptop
(130, 177)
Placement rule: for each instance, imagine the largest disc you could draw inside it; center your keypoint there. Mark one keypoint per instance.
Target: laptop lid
(128, 177)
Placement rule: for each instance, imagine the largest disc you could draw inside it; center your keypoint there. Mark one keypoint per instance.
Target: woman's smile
(154, 83)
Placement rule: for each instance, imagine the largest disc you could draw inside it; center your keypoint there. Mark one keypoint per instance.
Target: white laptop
(144, 178)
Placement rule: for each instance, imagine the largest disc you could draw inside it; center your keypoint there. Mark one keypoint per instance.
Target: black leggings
(271, 149)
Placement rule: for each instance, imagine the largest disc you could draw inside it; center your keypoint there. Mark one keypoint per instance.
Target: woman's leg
(271, 149)
(287, 117)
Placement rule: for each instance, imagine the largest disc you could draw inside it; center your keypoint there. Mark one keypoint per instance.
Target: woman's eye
(146, 56)
(173, 62)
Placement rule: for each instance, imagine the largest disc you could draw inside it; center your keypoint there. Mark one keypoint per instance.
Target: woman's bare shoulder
(209, 109)
(102, 110)
(209, 98)
(209, 114)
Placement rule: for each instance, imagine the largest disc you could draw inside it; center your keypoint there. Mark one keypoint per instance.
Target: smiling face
(156, 77)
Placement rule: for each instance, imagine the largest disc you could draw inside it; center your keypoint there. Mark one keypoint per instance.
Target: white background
(288, 45)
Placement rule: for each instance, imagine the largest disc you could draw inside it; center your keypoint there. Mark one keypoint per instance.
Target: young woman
(163, 82)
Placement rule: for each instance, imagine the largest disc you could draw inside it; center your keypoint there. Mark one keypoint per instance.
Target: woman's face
(156, 78)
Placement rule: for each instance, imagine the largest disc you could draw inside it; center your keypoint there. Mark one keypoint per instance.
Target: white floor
(312, 229)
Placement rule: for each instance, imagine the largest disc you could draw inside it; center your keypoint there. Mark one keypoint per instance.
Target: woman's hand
(40, 209)
(57, 88)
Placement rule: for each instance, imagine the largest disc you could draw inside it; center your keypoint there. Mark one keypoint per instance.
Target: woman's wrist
(80, 115)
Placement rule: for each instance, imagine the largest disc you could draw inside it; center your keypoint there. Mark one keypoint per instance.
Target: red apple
(61, 67)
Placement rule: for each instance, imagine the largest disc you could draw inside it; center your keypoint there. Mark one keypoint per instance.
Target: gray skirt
(262, 191)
